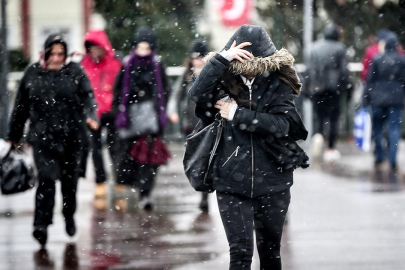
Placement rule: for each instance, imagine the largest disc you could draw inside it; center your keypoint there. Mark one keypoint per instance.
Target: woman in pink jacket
(102, 68)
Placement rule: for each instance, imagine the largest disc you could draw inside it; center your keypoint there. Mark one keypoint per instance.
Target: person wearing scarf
(142, 79)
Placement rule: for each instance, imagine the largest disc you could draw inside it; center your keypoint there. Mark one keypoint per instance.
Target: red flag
(235, 12)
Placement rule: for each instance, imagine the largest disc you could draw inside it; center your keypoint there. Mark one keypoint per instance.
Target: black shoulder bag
(201, 146)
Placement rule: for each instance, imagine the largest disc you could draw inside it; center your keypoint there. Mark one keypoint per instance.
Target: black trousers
(327, 109)
(97, 147)
(106, 121)
(241, 216)
(56, 162)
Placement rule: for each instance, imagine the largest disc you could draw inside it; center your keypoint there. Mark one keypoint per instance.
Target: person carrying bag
(251, 168)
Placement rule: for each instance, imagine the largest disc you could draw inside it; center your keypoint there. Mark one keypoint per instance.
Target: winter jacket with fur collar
(258, 152)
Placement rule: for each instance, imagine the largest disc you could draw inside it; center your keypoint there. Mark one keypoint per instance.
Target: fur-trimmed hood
(281, 62)
(266, 57)
(259, 65)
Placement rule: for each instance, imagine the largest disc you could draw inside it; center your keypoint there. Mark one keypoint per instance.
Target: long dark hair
(286, 73)
(234, 88)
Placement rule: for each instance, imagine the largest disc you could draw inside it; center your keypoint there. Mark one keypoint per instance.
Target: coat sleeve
(21, 111)
(265, 123)
(87, 96)
(275, 122)
(201, 92)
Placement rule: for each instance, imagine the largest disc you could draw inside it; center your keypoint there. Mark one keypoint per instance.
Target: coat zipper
(251, 142)
(233, 153)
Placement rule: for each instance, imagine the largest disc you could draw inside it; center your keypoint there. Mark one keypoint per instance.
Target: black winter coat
(57, 104)
(245, 164)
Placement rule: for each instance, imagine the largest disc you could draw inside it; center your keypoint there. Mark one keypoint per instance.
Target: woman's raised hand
(236, 52)
(224, 107)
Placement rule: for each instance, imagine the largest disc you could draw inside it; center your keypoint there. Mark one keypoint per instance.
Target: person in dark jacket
(328, 80)
(179, 101)
(384, 91)
(143, 79)
(57, 98)
(253, 168)
(102, 68)
(374, 50)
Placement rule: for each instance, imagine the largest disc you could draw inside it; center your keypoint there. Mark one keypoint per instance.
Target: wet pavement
(342, 216)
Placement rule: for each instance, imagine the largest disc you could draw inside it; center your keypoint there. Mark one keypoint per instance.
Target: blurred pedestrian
(57, 98)
(142, 84)
(328, 80)
(179, 101)
(376, 48)
(384, 91)
(253, 168)
(102, 68)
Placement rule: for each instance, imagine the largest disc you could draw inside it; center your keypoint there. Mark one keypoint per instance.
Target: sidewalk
(335, 222)
(355, 163)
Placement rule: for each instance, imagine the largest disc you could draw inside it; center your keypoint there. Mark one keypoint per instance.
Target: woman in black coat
(253, 168)
(57, 98)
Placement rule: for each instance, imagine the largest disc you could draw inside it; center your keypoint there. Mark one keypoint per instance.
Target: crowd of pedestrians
(75, 109)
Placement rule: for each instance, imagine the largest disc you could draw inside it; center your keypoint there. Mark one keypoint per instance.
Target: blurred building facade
(31, 21)
(223, 17)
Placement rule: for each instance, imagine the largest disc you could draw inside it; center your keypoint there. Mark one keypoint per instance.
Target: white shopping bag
(362, 129)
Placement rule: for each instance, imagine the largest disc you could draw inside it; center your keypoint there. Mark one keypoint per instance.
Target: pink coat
(102, 75)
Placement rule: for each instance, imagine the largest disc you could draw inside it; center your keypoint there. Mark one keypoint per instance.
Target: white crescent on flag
(237, 10)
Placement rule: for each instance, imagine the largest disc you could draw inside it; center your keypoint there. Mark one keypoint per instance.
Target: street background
(343, 215)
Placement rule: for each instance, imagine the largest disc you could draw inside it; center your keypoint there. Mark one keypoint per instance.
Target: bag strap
(218, 136)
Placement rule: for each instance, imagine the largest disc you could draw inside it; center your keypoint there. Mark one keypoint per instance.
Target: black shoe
(40, 233)
(70, 226)
(204, 206)
(146, 203)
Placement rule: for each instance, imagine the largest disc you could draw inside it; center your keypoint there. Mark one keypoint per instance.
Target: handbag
(143, 120)
(16, 173)
(201, 146)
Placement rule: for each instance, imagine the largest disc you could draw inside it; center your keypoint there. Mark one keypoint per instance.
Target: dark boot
(40, 233)
(70, 226)
(204, 202)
